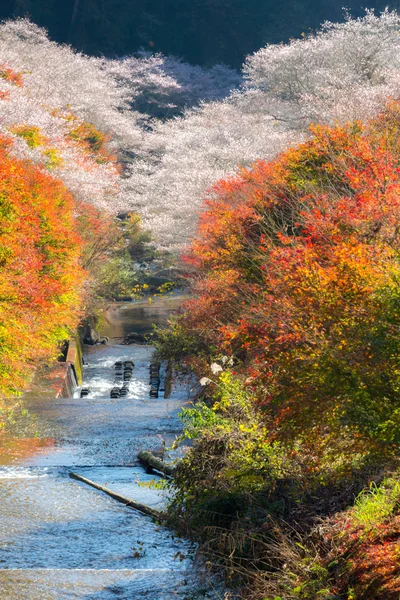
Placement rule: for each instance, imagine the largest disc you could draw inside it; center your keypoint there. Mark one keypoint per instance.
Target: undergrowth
(286, 521)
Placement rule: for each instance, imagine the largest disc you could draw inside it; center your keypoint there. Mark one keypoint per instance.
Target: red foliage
(368, 560)
(295, 271)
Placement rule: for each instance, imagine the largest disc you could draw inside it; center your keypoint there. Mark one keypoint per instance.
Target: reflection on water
(62, 539)
(18, 449)
(121, 319)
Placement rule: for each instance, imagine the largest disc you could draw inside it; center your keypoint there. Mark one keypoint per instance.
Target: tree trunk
(143, 508)
(151, 461)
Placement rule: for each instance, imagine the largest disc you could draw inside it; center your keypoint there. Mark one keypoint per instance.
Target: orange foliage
(40, 276)
(376, 567)
(13, 449)
(296, 275)
(367, 560)
(10, 75)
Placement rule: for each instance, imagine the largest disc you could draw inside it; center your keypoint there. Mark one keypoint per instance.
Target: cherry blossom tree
(63, 97)
(345, 71)
(175, 129)
(58, 91)
(164, 86)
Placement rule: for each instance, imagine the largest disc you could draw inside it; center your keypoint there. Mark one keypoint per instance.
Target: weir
(60, 538)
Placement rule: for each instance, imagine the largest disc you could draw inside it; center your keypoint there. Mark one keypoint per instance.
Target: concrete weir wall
(72, 376)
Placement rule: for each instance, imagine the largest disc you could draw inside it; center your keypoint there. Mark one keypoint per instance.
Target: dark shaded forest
(203, 32)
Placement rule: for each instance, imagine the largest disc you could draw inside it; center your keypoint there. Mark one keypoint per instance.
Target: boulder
(91, 336)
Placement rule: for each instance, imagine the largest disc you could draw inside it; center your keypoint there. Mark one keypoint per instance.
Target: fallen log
(143, 508)
(151, 461)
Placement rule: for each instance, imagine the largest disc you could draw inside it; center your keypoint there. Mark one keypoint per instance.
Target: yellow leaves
(32, 135)
(248, 428)
(225, 377)
(53, 159)
(221, 405)
(243, 428)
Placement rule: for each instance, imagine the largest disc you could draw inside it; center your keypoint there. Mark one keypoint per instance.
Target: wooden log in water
(143, 508)
(151, 461)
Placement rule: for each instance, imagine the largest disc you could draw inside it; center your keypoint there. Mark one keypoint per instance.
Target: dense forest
(201, 32)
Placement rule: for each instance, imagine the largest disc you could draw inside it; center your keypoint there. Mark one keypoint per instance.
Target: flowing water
(62, 539)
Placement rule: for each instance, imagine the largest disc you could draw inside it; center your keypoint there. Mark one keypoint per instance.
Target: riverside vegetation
(60, 255)
(292, 257)
(293, 327)
(56, 255)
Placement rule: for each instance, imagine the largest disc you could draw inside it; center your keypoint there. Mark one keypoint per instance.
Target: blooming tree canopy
(82, 116)
(151, 134)
(345, 71)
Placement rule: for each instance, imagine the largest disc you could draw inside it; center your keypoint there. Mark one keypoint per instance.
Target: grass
(374, 506)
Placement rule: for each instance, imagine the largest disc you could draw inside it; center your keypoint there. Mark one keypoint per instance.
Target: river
(60, 539)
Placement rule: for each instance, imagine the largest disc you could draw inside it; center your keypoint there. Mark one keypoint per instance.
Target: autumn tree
(296, 276)
(40, 277)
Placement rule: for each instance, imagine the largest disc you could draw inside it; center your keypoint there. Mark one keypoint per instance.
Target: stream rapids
(60, 539)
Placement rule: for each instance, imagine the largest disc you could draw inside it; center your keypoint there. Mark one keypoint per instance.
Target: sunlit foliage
(294, 329)
(40, 275)
(296, 275)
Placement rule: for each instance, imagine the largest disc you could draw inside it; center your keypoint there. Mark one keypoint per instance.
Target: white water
(62, 539)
